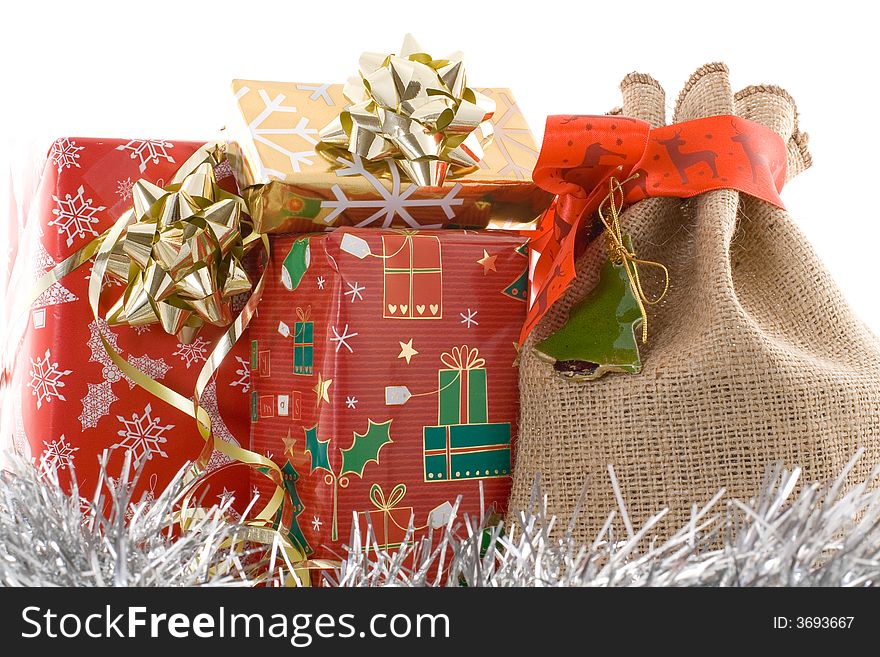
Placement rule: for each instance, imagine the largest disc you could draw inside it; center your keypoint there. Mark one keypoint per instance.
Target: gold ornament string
(620, 255)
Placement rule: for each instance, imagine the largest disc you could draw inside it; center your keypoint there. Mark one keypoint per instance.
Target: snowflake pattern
(75, 215)
(57, 293)
(391, 203)
(96, 404)
(99, 354)
(123, 188)
(469, 318)
(351, 402)
(354, 289)
(58, 454)
(342, 340)
(194, 352)
(46, 379)
(244, 375)
(297, 159)
(319, 92)
(507, 138)
(147, 499)
(321, 282)
(143, 435)
(147, 151)
(140, 329)
(218, 426)
(155, 368)
(20, 442)
(226, 497)
(65, 153)
(316, 523)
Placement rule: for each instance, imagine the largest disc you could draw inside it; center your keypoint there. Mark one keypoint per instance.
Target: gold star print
(322, 390)
(407, 351)
(488, 262)
(289, 442)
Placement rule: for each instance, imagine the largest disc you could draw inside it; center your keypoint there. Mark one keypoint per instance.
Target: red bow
(581, 153)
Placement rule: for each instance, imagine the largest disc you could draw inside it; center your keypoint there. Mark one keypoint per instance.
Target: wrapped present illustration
(385, 527)
(413, 277)
(388, 521)
(368, 368)
(303, 343)
(464, 444)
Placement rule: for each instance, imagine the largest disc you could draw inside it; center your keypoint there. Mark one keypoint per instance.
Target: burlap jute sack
(753, 357)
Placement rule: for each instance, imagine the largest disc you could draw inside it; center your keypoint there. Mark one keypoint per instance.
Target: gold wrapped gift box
(292, 187)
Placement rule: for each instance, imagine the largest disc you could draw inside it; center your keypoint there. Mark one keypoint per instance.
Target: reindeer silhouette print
(684, 161)
(561, 228)
(756, 159)
(638, 181)
(594, 154)
(583, 173)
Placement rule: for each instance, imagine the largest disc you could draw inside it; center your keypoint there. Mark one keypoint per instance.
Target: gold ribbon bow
(621, 255)
(414, 112)
(377, 497)
(462, 358)
(181, 254)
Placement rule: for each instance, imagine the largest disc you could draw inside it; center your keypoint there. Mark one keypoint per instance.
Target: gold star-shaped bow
(181, 257)
(413, 111)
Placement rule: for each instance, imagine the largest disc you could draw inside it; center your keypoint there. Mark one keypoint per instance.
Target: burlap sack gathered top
(754, 355)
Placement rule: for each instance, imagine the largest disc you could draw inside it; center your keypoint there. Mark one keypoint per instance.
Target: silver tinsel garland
(824, 535)
(51, 538)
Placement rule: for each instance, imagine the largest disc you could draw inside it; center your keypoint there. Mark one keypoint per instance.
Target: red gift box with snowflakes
(66, 401)
(366, 343)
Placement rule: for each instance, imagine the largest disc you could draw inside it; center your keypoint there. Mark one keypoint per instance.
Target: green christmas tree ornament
(296, 264)
(600, 334)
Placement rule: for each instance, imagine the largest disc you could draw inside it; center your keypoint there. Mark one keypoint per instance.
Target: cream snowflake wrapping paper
(66, 400)
(291, 187)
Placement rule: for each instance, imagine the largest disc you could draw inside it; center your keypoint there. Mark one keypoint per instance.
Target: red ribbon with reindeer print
(581, 153)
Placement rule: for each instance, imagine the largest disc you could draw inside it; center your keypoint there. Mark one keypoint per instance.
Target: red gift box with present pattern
(367, 342)
(66, 401)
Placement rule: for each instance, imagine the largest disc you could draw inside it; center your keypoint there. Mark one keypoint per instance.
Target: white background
(162, 69)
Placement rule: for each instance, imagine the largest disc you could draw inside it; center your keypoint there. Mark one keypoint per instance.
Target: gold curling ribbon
(622, 256)
(413, 112)
(106, 249)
